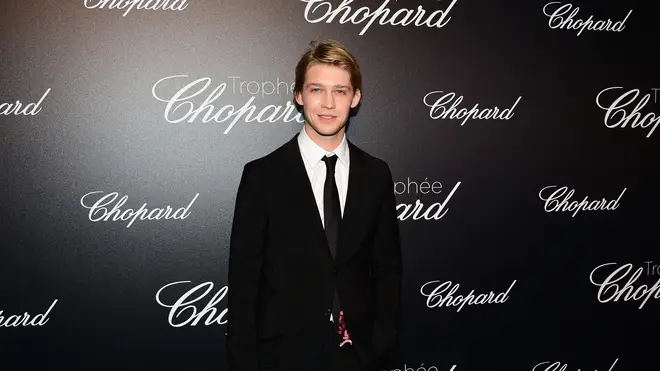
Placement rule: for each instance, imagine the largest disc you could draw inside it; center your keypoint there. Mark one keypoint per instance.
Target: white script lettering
(616, 108)
(557, 20)
(185, 305)
(436, 299)
(558, 366)
(440, 109)
(553, 202)
(177, 5)
(314, 13)
(188, 112)
(98, 211)
(609, 290)
(429, 213)
(24, 319)
(30, 109)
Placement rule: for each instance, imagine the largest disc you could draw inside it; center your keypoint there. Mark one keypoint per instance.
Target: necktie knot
(330, 162)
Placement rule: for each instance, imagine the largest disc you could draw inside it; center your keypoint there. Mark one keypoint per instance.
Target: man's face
(327, 97)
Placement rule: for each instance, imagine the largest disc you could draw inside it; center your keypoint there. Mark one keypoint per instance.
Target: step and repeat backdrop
(522, 136)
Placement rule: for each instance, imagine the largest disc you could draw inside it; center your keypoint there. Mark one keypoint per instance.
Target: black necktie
(331, 218)
(331, 207)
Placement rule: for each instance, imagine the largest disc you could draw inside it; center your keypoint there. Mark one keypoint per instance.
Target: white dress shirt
(312, 154)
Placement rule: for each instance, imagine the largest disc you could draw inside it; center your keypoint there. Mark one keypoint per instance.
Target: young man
(315, 257)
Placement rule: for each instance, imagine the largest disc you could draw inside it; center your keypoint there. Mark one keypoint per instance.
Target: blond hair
(328, 52)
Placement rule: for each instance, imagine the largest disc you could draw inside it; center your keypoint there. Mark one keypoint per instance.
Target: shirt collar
(313, 153)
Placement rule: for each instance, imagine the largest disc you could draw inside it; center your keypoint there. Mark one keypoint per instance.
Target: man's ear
(356, 98)
(298, 96)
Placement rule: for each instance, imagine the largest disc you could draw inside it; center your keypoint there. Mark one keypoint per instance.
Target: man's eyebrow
(336, 86)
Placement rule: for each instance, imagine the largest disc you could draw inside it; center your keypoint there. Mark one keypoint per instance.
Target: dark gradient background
(100, 128)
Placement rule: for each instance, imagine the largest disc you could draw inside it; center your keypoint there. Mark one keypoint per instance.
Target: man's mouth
(327, 117)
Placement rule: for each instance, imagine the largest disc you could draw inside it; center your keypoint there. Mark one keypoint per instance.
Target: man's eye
(340, 91)
(314, 90)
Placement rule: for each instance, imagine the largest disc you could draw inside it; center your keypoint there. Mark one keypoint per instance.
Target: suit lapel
(354, 194)
(312, 219)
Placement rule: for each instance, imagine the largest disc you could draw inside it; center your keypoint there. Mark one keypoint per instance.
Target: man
(315, 257)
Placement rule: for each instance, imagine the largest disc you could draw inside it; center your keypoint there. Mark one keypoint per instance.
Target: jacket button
(334, 270)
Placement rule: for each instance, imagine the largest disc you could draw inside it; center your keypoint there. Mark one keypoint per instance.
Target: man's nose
(328, 100)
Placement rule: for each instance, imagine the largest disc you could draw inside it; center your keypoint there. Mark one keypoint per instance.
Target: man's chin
(326, 130)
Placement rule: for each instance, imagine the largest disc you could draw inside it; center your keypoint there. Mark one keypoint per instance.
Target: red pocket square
(341, 330)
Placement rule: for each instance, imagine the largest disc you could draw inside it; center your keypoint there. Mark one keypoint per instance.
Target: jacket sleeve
(247, 243)
(386, 277)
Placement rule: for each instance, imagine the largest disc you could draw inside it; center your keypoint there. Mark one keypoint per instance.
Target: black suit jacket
(282, 274)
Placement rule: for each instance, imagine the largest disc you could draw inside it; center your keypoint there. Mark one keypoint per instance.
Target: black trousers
(309, 351)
